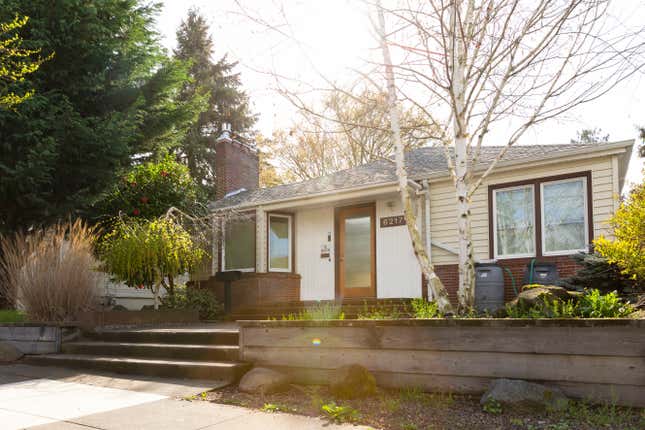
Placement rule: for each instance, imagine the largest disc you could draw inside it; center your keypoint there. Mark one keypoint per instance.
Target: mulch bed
(415, 410)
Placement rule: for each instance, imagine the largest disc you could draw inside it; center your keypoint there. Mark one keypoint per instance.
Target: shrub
(425, 309)
(627, 251)
(596, 305)
(596, 273)
(198, 299)
(340, 414)
(50, 273)
(11, 316)
(149, 254)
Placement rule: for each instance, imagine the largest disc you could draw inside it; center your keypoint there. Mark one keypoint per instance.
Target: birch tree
(479, 62)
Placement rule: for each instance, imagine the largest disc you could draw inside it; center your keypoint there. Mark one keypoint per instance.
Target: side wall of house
(605, 190)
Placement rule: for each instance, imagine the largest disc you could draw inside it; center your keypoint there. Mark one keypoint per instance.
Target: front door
(356, 252)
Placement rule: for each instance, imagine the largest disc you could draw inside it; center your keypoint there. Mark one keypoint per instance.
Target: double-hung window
(280, 243)
(541, 217)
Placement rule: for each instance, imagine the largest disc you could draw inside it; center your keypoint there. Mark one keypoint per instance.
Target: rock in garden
(9, 353)
(524, 395)
(538, 295)
(264, 381)
(352, 382)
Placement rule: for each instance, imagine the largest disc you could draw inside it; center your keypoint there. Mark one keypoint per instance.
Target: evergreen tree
(226, 100)
(109, 92)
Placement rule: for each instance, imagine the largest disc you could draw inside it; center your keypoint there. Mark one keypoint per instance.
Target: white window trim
(494, 215)
(223, 268)
(290, 244)
(586, 215)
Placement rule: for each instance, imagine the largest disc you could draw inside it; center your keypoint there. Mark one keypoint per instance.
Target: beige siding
(442, 203)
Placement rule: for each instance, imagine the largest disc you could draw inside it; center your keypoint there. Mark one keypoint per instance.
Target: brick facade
(236, 166)
(257, 289)
(449, 273)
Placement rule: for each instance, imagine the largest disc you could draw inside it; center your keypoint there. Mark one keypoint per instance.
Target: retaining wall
(32, 338)
(595, 359)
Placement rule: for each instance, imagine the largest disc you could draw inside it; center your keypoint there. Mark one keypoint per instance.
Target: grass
(11, 316)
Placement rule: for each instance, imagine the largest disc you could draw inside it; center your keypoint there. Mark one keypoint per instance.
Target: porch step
(168, 336)
(154, 350)
(227, 371)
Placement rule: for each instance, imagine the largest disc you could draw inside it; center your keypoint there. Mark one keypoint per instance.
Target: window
(564, 216)
(239, 245)
(541, 217)
(514, 222)
(280, 253)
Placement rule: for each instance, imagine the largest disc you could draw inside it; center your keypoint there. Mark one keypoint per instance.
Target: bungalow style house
(343, 236)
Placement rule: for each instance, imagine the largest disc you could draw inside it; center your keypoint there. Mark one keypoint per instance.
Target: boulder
(264, 381)
(520, 394)
(352, 382)
(9, 353)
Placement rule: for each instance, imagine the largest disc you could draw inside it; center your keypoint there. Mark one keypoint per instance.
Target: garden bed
(596, 359)
(412, 409)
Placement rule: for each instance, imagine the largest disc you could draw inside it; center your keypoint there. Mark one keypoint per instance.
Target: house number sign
(392, 221)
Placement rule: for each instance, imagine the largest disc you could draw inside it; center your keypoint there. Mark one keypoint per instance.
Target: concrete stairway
(176, 353)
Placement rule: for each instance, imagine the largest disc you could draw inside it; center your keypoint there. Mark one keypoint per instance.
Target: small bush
(597, 305)
(424, 309)
(492, 407)
(198, 299)
(50, 273)
(11, 316)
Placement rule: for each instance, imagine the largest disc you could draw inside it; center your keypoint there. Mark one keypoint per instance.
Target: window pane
(279, 243)
(515, 212)
(358, 252)
(239, 245)
(564, 216)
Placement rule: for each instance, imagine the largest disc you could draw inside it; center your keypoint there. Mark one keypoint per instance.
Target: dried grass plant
(51, 273)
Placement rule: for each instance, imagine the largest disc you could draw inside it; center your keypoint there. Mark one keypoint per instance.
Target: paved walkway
(51, 399)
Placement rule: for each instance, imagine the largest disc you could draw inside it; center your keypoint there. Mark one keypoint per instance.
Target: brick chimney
(236, 164)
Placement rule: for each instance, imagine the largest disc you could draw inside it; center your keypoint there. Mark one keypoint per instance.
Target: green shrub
(198, 299)
(593, 304)
(596, 305)
(596, 272)
(424, 309)
(11, 316)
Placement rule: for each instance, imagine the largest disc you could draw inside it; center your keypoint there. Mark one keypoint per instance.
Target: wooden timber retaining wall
(595, 359)
(32, 338)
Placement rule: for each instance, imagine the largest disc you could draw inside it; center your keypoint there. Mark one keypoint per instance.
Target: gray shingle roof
(420, 163)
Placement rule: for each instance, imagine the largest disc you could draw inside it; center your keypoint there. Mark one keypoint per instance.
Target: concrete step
(154, 350)
(226, 371)
(185, 337)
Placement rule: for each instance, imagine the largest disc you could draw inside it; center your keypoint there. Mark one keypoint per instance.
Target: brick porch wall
(257, 289)
(449, 273)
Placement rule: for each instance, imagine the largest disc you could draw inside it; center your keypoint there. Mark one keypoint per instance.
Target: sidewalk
(53, 398)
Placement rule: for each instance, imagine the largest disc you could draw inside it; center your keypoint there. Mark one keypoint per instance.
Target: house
(342, 236)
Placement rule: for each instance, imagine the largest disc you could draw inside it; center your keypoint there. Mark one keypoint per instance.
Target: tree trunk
(156, 295)
(466, 292)
(434, 283)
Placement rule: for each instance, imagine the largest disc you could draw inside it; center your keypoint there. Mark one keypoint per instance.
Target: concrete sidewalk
(54, 398)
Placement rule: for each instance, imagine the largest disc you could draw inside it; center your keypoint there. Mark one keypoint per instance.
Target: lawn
(10, 316)
(412, 409)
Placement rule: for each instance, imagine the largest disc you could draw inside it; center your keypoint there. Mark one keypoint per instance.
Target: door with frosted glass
(356, 252)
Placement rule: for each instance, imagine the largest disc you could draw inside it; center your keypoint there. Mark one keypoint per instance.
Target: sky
(328, 40)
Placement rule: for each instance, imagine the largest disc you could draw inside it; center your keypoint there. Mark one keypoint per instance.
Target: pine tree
(227, 102)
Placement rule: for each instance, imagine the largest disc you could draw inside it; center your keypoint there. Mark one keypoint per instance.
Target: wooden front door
(356, 254)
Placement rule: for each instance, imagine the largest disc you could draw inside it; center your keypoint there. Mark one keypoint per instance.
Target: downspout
(426, 200)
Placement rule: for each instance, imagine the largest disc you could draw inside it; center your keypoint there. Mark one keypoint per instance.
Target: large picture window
(280, 252)
(239, 245)
(541, 217)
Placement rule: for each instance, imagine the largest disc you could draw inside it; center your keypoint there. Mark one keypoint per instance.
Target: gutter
(426, 190)
(613, 148)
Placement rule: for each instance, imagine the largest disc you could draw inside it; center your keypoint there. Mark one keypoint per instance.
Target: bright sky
(335, 37)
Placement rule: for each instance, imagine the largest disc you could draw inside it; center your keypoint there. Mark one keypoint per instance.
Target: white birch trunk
(466, 293)
(435, 286)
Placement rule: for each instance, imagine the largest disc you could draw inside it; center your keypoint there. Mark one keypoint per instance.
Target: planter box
(596, 359)
(89, 320)
(32, 338)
